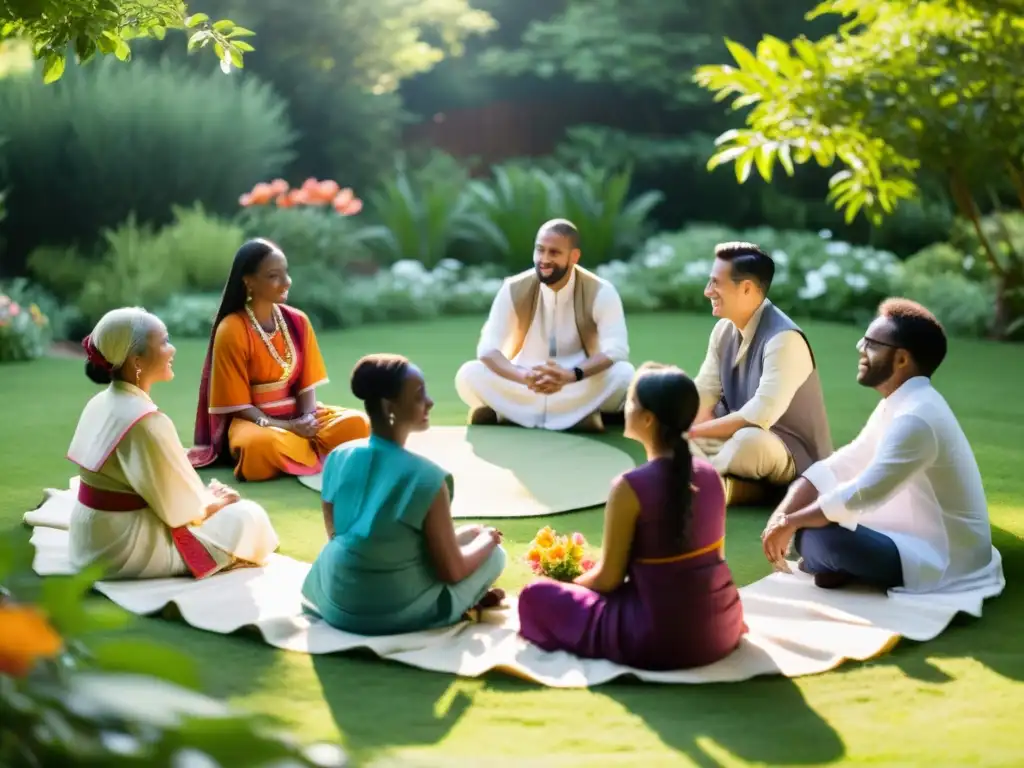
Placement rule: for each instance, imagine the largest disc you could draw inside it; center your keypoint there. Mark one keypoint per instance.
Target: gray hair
(122, 333)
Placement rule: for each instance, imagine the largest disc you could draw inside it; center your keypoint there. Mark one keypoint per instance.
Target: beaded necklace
(289, 347)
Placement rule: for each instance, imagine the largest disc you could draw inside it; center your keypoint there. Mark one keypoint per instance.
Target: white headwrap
(120, 333)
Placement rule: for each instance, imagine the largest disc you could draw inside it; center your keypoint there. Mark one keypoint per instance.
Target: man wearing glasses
(902, 506)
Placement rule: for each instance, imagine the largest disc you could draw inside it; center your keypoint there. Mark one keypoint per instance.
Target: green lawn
(954, 701)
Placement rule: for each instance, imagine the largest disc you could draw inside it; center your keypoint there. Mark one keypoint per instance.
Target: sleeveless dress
(375, 577)
(675, 610)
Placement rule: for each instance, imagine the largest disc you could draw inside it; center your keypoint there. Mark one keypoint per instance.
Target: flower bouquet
(562, 558)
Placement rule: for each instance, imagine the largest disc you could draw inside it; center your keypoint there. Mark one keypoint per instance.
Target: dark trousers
(865, 555)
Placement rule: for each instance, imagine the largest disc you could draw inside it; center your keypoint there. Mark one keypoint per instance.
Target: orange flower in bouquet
(313, 192)
(560, 557)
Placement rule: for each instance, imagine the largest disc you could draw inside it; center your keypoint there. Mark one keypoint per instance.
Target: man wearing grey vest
(762, 418)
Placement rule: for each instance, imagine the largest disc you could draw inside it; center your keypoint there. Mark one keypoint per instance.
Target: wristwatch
(579, 373)
(262, 421)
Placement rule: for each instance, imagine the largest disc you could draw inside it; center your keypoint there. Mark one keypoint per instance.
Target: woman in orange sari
(257, 396)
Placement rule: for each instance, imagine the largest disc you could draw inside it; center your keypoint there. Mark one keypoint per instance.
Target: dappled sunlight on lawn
(966, 680)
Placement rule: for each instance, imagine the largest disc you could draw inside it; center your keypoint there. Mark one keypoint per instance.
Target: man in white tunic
(901, 507)
(762, 418)
(141, 509)
(554, 352)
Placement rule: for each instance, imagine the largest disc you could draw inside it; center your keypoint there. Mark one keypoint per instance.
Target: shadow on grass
(764, 721)
(383, 706)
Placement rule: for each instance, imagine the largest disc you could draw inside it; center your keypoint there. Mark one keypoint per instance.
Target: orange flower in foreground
(25, 637)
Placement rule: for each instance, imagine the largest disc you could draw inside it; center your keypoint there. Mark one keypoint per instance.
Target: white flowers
(815, 285)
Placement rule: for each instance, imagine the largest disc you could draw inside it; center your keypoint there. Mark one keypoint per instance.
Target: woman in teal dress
(394, 561)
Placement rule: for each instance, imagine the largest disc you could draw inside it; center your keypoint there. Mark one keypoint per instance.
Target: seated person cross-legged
(257, 396)
(394, 562)
(662, 596)
(901, 507)
(762, 420)
(554, 352)
(142, 511)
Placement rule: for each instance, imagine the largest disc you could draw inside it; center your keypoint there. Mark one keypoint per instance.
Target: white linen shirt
(911, 474)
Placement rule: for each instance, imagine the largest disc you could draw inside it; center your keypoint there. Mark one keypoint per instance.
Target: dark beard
(876, 374)
(556, 274)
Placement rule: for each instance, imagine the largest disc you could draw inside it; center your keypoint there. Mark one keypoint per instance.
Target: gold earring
(248, 296)
(391, 419)
(138, 374)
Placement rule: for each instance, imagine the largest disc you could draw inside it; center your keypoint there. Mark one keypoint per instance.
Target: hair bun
(97, 374)
(362, 382)
(378, 376)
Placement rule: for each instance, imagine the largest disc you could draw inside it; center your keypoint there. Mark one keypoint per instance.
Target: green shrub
(963, 306)
(189, 315)
(815, 275)
(311, 236)
(945, 259)
(25, 330)
(425, 211)
(204, 245)
(130, 267)
(108, 140)
(522, 197)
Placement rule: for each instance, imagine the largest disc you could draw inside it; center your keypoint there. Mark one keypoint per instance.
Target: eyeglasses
(867, 341)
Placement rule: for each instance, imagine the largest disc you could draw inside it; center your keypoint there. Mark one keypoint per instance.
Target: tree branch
(969, 208)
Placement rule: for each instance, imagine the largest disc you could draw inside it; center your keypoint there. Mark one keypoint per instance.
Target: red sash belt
(199, 561)
(109, 501)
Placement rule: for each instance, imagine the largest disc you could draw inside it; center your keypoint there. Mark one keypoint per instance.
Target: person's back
(376, 568)
(661, 596)
(394, 561)
(691, 608)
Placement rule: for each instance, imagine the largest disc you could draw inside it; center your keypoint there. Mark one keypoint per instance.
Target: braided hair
(672, 397)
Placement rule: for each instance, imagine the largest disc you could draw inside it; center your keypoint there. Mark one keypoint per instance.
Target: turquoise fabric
(375, 576)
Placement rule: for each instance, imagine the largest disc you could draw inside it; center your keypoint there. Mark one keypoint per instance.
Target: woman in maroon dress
(661, 597)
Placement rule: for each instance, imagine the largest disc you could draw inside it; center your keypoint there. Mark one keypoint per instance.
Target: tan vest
(525, 291)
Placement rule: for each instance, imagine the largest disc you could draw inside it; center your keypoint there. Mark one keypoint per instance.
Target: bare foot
(492, 599)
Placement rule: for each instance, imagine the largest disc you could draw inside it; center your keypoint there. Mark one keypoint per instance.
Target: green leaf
(764, 156)
(743, 165)
(241, 32)
(53, 67)
(196, 19)
(146, 658)
(122, 51)
(200, 39)
(785, 159)
(63, 601)
(236, 57)
(241, 45)
(223, 25)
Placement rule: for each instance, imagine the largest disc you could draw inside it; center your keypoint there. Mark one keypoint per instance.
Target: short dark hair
(565, 228)
(749, 262)
(918, 331)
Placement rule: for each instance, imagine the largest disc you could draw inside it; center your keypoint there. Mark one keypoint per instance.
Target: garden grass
(954, 701)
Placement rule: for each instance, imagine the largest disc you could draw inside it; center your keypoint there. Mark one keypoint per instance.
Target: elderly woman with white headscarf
(142, 511)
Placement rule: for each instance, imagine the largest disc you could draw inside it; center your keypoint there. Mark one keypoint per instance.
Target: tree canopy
(107, 27)
(904, 91)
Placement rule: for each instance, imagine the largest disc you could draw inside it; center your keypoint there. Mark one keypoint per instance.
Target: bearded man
(902, 507)
(554, 351)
